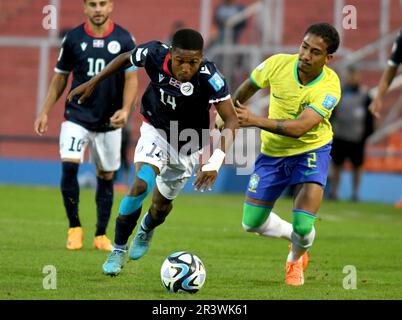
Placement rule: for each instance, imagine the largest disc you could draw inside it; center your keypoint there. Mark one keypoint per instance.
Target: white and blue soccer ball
(183, 272)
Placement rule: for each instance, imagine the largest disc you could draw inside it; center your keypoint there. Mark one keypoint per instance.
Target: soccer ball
(183, 272)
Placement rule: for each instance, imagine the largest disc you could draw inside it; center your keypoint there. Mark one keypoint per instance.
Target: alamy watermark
(50, 279)
(349, 20)
(49, 21)
(350, 280)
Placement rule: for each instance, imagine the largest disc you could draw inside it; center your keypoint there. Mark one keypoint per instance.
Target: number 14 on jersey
(169, 99)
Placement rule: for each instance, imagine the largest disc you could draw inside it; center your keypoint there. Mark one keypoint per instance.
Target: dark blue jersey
(85, 55)
(396, 55)
(169, 104)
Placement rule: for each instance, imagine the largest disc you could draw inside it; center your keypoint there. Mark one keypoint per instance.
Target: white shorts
(103, 146)
(175, 169)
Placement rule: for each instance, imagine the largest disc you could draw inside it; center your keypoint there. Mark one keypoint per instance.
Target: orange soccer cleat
(74, 238)
(294, 273)
(305, 258)
(103, 243)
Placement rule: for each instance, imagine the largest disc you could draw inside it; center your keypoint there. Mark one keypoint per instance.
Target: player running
(182, 87)
(85, 51)
(296, 141)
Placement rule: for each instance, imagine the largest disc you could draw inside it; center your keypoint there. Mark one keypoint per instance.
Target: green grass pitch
(239, 265)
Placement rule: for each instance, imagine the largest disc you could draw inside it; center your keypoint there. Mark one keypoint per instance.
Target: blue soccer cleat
(114, 263)
(140, 244)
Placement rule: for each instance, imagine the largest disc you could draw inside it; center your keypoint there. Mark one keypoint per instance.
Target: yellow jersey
(288, 98)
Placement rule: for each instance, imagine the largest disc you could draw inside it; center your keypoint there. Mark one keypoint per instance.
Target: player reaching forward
(97, 123)
(296, 141)
(387, 77)
(182, 87)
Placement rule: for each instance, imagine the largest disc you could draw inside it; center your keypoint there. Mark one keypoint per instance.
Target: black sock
(149, 223)
(71, 192)
(104, 203)
(125, 226)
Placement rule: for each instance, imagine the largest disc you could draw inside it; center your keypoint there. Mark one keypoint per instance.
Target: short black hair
(188, 39)
(328, 33)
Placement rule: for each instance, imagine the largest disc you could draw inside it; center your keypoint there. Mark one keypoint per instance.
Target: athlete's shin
(104, 203)
(131, 205)
(303, 233)
(143, 185)
(155, 216)
(125, 225)
(70, 190)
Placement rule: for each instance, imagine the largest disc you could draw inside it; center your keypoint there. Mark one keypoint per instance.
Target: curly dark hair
(188, 39)
(328, 33)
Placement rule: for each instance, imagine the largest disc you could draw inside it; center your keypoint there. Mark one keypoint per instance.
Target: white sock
(300, 245)
(273, 227)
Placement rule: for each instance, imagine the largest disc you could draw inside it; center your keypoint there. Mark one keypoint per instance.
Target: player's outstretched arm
(56, 89)
(294, 128)
(208, 173)
(386, 80)
(85, 90)
(120, 117)
(245, 91)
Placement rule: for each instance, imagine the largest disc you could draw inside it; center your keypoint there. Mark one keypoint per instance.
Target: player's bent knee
(144, 182)
(105, 175)
(254, 217)
(142, 187)
(139, 187)
(70, 167)
(147, 174)
(69, 176)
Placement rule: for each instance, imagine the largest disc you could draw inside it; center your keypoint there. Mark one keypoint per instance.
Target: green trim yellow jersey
(288, 99)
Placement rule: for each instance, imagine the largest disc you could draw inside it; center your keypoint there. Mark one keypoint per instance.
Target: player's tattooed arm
(280, 127)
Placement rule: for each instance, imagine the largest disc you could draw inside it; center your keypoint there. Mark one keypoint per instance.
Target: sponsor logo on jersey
(161, 77)
(98, 43)
(175, 83)
(114, 47)
(329, 102)
(187, 88)
(83, 46)
(216, 81)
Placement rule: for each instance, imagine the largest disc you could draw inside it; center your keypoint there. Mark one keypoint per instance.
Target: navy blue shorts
(273, 174)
